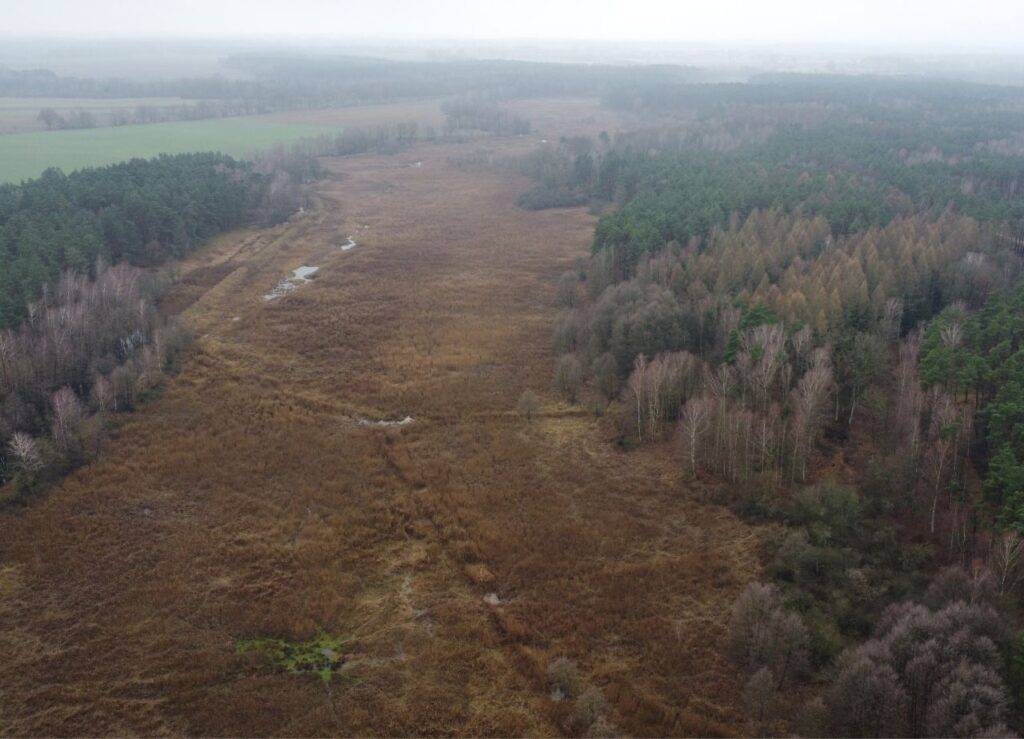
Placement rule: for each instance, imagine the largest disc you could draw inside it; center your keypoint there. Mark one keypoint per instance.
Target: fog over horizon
(917, 26)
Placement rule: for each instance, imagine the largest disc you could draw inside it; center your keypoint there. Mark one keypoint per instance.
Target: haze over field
(919, 25)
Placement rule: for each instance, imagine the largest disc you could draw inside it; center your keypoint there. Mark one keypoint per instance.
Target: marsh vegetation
(643, 407)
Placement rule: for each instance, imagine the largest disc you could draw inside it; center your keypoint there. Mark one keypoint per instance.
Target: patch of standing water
(303, 273)
(299, 276)
(385, 422)
(350, 245)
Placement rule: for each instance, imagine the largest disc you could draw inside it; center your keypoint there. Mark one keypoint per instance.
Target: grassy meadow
(26, 155)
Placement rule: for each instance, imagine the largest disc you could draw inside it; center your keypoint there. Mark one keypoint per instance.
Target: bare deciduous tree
(568, 286)
(809, 401)
(25, 450)
(944, 436)
(102, 394)
(892, 319)
(658, 388)
(67, 417)
(567, 331)
(569, 376)
(866, 699)
(1007, 559)
(693, 424)
(758, 694)
(925, 673)
(763, 634)
(605, 371)
(528, 405)
(760, 358)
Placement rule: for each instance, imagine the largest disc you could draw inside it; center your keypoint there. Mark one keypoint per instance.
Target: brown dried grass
(245, 502)
(424, 112)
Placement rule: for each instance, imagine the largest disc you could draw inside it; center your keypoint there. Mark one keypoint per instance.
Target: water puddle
(350, 245)
(385, 422)
(300, 276)
(379, 423)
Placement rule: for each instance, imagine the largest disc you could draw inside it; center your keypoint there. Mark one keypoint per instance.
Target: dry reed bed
(241, 503)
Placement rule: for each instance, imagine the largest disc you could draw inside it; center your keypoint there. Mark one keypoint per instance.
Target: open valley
(457, 554)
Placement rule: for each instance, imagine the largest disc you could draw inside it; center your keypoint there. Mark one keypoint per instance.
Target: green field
(26, 155)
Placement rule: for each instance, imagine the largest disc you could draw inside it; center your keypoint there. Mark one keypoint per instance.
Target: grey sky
(939, 25)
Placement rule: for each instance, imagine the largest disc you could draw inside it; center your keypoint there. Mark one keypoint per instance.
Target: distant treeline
(469, 113)
(910, 95)
(371, 80)
(858, 153)
(201, 110)
(286, 82)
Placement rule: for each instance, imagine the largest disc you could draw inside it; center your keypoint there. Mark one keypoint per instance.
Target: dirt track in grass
(248, 501)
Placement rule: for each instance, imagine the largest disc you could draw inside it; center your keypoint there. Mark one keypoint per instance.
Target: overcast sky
(940, 25)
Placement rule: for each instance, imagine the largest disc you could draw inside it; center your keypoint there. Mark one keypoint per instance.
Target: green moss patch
(322, 655)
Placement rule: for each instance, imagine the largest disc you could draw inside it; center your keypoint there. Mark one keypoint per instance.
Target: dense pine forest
(142, 212)
(809, 294)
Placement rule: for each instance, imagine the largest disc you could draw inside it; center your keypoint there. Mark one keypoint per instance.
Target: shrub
(764, 635)
(759, 693)
(569, 376)
(590, 706)
(568, 289)
(542, 197)
(602, 728)
(605, 371)
(528, 405)
(563, 677)
(567, 331)
(925, 672)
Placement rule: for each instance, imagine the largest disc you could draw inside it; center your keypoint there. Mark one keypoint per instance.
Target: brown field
(556, 117)
(246, 501)
(425, 112)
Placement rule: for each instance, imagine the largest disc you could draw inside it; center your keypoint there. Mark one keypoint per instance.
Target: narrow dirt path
(461, 552)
